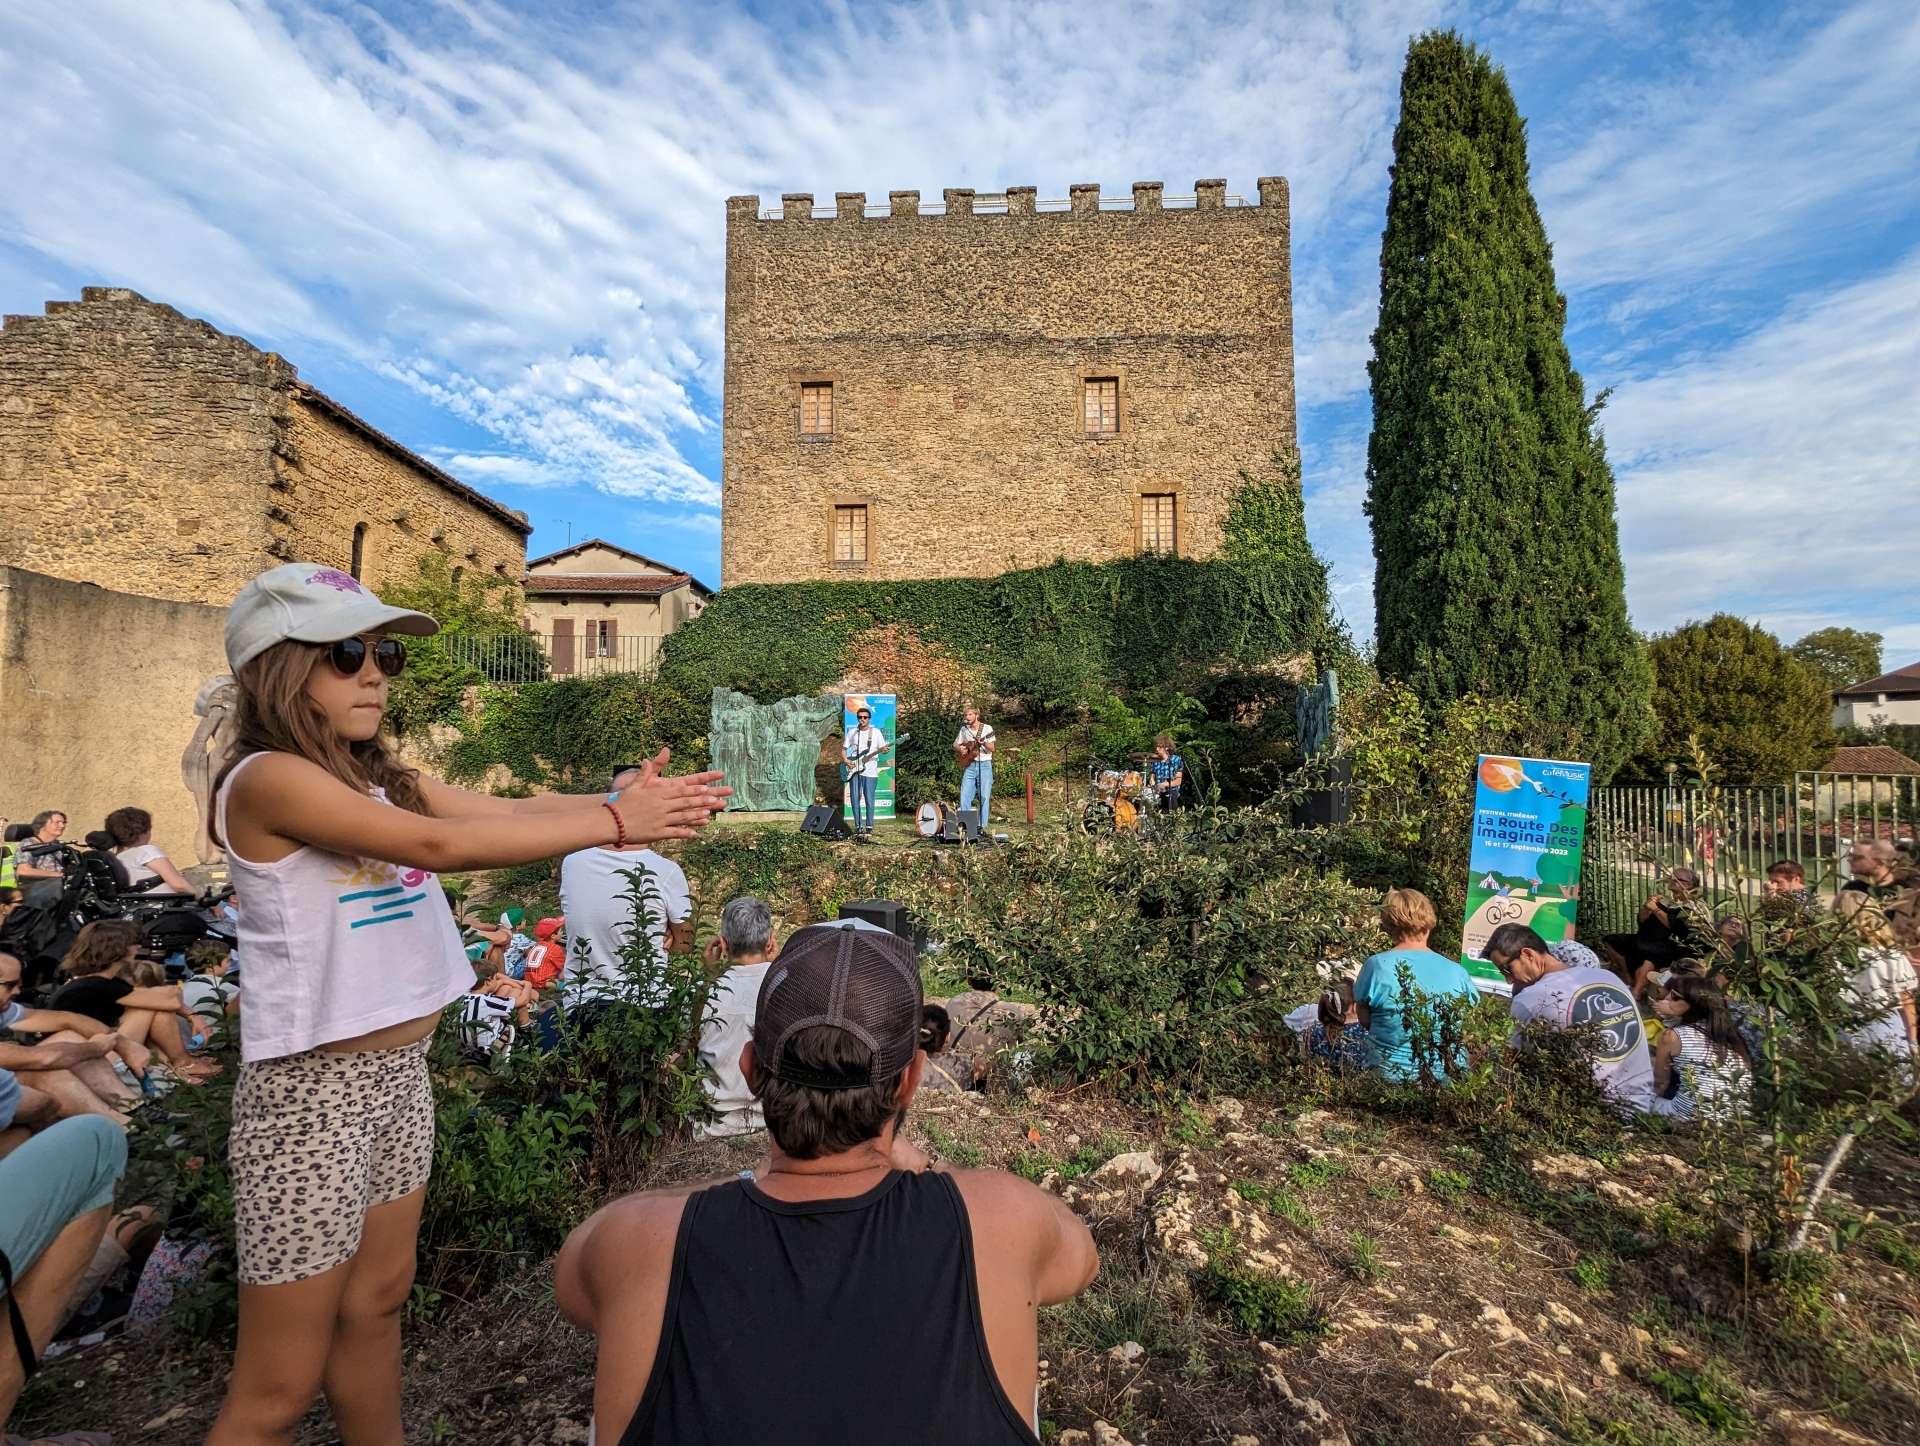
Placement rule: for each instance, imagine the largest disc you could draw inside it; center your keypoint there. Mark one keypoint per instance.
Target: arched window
(458, 573)
(359, 548)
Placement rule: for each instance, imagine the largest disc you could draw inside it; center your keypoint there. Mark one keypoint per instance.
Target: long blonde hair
(275, 715)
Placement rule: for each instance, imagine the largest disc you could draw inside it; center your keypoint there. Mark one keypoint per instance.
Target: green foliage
(1497, 559)
(1051, 636)
(1363, 1259)
(1594, 1273)
(1903, 737)
(1125, 1303)
(474, 605)
(1413, 788)
(1274, 1307)
(1450, 1185)
(567, 734)
(1277, 1198)
(1728, 688)
(1163, 964)
(522, 1153)
(1841, 656)
(1705, 1397)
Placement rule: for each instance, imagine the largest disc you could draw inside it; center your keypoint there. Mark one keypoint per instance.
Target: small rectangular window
(850, 534)
(1103, 406)
(816, 409)
(1157, 524)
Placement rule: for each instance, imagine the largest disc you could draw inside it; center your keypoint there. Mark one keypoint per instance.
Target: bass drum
(929, 818)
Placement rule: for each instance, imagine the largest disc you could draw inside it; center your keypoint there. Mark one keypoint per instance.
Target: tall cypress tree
(1497, 563)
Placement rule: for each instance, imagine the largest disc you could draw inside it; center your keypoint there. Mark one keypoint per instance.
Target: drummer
(1167, 771)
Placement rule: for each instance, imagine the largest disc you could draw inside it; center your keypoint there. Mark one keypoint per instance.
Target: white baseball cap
(310, 604)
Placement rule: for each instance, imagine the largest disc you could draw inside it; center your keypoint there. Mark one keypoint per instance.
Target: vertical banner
(885, 720)
(1529, 826)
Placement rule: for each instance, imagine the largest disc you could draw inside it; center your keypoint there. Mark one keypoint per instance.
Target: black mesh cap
(862, 982)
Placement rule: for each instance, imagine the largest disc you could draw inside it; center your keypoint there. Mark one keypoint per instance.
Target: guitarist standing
(860, 751)
(973, 746)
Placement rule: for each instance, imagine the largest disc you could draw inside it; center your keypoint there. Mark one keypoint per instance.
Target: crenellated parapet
(1083, 199)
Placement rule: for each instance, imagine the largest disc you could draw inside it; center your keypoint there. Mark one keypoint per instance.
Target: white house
(1891, 698)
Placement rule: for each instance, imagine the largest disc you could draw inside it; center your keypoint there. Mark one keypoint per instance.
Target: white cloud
(1778, 479)
(1769, 148)
(522, 217)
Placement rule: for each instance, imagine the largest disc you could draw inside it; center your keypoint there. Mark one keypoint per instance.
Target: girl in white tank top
(351, 952)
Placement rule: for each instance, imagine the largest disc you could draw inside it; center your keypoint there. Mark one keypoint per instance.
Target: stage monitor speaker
(889, 914)
(960, 825)
(824, 820)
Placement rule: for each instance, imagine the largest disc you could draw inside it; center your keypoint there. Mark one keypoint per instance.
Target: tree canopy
(1758, 711)
(1842, 656)
(1497, 560)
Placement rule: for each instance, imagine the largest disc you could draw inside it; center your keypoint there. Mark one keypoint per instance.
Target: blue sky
(497, 231)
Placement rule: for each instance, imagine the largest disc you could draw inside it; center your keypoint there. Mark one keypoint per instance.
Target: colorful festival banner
(1529, 825)
(885, 719)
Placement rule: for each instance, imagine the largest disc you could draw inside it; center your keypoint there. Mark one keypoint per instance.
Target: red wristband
(619, 827)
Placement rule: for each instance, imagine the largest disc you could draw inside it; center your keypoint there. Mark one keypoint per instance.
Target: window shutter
(563, 645)
(610, 638)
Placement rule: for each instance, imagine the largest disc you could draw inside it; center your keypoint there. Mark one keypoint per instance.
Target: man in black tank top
(850, 1292)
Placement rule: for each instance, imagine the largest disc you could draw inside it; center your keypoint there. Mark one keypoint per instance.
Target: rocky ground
(1274, 1277)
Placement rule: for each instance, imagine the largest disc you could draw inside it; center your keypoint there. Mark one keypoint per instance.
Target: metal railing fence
(514, 658)
(1730, 833)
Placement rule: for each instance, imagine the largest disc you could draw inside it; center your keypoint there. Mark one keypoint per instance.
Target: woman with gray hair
(745, 949)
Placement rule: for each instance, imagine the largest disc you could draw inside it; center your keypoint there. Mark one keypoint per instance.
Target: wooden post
(1029, 795)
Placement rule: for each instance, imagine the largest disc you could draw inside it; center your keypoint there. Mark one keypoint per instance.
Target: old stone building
(990, 383)
(149, 453)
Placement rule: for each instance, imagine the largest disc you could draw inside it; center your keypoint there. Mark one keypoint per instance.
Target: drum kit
(943, 823)
(1121, 798)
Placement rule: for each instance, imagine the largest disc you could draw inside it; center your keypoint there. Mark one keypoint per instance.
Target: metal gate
(1730, 833)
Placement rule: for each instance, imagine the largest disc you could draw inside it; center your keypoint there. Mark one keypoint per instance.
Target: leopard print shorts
(318, 1140)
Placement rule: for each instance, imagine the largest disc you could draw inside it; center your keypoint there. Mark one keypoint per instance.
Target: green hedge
(1049, 634)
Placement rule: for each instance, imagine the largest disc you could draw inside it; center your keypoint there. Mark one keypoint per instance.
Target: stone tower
(996, 381)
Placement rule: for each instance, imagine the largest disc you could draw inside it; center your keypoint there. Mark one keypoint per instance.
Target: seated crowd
(822, 1044)
(1667, 1036)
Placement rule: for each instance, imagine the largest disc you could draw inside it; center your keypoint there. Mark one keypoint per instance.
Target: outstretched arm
(286, 801)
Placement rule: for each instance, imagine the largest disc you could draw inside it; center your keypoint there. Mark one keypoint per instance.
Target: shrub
(1161, 964)
(476, 606)
(1275, 1307)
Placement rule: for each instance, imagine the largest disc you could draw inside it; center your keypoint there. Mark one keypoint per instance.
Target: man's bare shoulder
(1004, 1196)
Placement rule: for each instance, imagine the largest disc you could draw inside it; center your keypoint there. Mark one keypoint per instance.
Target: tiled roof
(1876, 758)
(354, 423)
(637, 584)
(1900, 680)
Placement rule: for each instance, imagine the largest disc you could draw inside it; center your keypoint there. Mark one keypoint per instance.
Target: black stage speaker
(824, 819)
(889, 914)
(959, 825)
(1324, 806)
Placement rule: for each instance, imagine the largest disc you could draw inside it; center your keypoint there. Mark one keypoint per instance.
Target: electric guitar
(851, 766)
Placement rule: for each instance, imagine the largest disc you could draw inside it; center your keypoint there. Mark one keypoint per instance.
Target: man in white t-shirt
(594, 888)
(745, 945)
(1578, 997)
(860, 752)
(975, 743)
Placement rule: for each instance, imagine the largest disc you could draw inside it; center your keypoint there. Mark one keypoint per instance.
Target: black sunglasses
(349, 656)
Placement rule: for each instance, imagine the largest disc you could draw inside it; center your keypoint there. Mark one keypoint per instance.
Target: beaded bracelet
(619, 826)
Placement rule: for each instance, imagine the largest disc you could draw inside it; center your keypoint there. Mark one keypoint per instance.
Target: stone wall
(135, 448)
(150, 453)
(957, 345)
(336, 479)
(96, 694)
